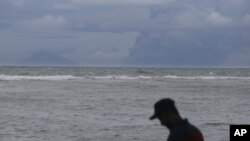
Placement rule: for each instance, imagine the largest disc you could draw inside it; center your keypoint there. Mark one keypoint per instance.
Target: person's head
(166, 112)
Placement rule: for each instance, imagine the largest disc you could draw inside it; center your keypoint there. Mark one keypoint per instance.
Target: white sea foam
(125, 77)
(122, 77)
(23, 77)
(113, 77)
(204, 77)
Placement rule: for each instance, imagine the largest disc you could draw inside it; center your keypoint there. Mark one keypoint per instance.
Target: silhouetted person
(180, 129)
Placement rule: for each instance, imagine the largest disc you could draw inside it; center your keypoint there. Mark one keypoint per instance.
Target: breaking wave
(125, 77)
(24, 77)
(114, 77)
(205, 77)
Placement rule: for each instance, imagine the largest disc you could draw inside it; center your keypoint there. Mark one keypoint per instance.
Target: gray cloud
(48, 59)
(105, 32)
(47, 22)
(119, 2)
(83, 48)
(184, 48)
(196, 34)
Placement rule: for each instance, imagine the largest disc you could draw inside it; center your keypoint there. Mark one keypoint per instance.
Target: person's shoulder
(193, 128)
(194, 134)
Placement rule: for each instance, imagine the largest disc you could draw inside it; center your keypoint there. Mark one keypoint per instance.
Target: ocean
(114, 104)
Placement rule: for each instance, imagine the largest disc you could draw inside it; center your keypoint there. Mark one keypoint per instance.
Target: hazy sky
(125, 32)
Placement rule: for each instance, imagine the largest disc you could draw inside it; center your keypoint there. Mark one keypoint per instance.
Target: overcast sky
(125, 32)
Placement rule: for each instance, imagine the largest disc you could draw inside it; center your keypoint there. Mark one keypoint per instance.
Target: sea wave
(123, 77)
(113, 77)
(205, 77)
(25, 77)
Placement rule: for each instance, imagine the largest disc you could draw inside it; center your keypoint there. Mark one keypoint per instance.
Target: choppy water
(103, 104)
(64, 73)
